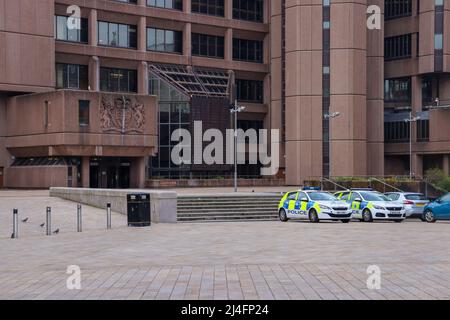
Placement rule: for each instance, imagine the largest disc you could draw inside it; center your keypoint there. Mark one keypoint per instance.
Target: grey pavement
(234, 260)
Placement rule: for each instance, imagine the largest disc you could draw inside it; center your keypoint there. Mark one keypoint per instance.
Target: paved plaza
(235, 260)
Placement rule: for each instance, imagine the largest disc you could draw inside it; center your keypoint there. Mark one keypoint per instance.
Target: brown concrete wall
(348, 132)
(375, 98)
(303, 91)
(29, 136)
(27, 50)
(3, 152)
(37, 177)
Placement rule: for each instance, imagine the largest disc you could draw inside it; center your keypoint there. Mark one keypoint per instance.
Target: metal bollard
(79, 219)
(15, 234)
(48, 221)
(108, 216)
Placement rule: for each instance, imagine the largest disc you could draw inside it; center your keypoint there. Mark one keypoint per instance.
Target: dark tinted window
(415, 197)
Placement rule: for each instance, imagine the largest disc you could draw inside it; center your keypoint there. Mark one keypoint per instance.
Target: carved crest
(122, 114)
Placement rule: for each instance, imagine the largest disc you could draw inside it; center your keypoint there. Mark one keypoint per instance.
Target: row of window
(72, 76)
(125, 36)
(251, 10)
(397, 47)
(399, 131)
(397, 8)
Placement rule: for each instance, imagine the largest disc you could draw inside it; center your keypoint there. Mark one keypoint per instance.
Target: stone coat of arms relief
(122, 114)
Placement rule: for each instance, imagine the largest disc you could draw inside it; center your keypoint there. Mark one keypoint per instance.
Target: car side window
(292, 196)
(344, 196)
(301, 196)
(354, 196)
(393, 196)
(445, 198)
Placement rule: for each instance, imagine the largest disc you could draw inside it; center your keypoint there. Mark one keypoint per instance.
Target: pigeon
(42, 225)
(56, 231)
(25, 220)
(12, 236)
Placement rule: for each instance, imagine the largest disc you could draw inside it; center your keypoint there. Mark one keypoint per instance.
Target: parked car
(368, 205)
(414, 203)
(313, 206)
(438, 209)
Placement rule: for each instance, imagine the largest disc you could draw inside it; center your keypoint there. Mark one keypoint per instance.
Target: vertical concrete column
(417, 165)
(229, 44)
(143, 78)
(142, 34)
(142, 3)
(187, 6)
(229, 9)
(446, 163)
(266, 49)
(93, 28)
(416, 94)
(85, 172)
(138, 173)
(94, 73)
(187, 39)
(375, 98)
(266, 11)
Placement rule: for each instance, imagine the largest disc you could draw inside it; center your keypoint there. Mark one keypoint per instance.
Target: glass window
(397, 8)
(397, 90)
(118, 80)
(83, 112)
(117, 35)
(207, 45)
(210, 7)
(252, 10)
(247, 50)
(250, 90)
(167, 4)
(71, 76)
(64, 33)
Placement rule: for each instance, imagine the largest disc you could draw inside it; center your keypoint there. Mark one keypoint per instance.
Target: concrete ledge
(163, 203)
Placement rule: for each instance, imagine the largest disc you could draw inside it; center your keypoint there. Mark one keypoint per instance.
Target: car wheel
(367, 216)
(429, 216)
(283, 216)
(313, 217)
(345, 220)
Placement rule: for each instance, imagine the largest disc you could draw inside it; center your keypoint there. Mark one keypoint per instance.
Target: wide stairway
(223, 208)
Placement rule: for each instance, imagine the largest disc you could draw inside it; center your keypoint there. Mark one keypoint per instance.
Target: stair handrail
(386, 184)
(334, 183)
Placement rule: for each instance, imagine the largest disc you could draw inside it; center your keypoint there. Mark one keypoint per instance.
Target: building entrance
(109, 173)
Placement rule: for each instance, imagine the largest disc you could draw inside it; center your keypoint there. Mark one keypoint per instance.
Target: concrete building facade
(94, 105)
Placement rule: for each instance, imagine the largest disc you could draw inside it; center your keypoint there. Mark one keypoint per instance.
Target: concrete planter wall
(163, 203)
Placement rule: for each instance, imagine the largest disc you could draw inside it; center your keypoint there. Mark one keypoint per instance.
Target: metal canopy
(194, 81)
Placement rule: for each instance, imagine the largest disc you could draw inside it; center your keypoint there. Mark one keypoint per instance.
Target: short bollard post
(79, 219)
(48, 221)
(15, 233)
(108, 216)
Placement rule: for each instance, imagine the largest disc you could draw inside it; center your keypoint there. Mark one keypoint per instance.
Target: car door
(290, 205)
(443, 210)
(302, 205)
(355, 205)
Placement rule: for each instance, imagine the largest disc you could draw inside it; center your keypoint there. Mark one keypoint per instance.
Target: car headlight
(324, 207)
(379, 207)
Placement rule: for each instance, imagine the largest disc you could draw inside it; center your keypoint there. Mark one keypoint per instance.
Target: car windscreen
(322, 196)
(374, 196)
(415, 197)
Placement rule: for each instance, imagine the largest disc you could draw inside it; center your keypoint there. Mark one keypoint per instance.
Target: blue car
(438, 209)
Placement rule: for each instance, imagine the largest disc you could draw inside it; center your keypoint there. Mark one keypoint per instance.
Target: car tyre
(282, 215)
(313, 216)
(367, 216)
(429, 216)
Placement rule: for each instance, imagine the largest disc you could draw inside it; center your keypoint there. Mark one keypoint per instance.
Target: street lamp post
(329, 116)
(410, 120)
(235, 110)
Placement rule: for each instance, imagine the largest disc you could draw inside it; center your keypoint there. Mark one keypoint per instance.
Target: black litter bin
(138, 210)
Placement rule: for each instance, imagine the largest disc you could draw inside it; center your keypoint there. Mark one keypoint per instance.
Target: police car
(313, 205)
(369, 205)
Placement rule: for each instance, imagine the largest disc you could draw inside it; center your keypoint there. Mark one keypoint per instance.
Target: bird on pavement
(56, 231)
(25, 220)
(42, 225)
(12, 236)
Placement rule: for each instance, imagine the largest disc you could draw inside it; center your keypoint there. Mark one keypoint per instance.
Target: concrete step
(224, 212)
(229, 206)
(228, 218)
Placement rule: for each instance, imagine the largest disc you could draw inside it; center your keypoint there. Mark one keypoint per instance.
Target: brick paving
(242, 260)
